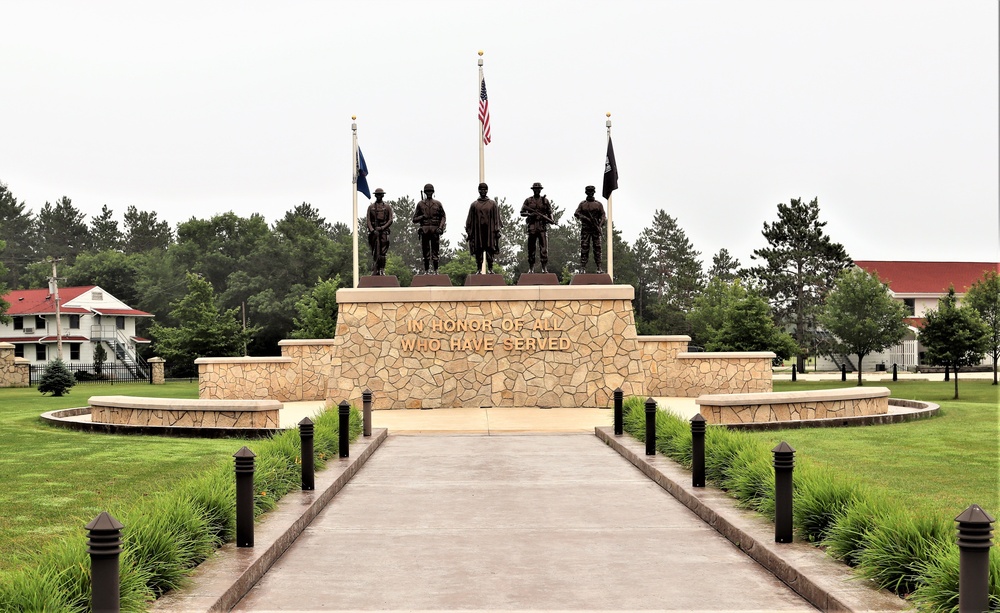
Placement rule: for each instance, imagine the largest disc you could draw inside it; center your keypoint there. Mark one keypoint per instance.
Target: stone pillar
(13, 371)
(157, 365)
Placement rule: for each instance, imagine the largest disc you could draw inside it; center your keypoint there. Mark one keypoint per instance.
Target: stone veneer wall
(402, 343)
(14, 371)
(133, 411)
(793, 406)
(299, 374)
(697, 373)
(659, 357)
(156, 371)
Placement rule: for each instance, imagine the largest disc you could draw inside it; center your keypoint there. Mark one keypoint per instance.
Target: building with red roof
(87, 317)
(919, 286)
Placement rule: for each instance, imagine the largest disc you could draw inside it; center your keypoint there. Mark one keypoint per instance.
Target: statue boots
(531, 266)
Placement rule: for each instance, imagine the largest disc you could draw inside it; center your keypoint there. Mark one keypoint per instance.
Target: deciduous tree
(862, 315)
(954, 336)
(984, 297)
(203, 330)
(317, 311)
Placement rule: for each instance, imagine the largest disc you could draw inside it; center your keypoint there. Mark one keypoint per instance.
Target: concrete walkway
(547, 521)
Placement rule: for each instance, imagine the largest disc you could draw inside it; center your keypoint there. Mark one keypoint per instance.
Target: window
(18, 322)
(18, 351)
(74, 351)
(911, 306)
(120, 322)
(40, 353)
(74, 322)
(39, 322)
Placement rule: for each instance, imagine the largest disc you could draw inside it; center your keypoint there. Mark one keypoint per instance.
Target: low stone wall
(299, 374)
(659, 358)
(693, 374)
(140, 411)
(545, 346)
(793, 406)
(14, 371)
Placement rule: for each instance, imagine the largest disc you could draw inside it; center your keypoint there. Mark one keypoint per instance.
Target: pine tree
(17, 230)
(673, 274)
(56, 379)
(104, 231)
(798, 269)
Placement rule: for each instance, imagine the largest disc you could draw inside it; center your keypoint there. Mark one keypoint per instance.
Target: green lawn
(56, 480)
(934, 467)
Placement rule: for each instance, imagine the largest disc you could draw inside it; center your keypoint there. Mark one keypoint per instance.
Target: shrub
(56, 379)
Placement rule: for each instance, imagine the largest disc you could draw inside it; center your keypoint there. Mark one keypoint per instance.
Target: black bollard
(895, 372)
(784, 461)
(974, 542)
(366, 399)
(104, 544)
(244, 497)
(306, 435)
(946, 377)
(698, 451)
(619, 417)
(650, 426)
(344, 411)
(795, 371)
(843, 372)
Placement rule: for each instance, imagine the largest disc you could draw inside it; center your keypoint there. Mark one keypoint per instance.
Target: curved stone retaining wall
(190, 413)
(792, 406)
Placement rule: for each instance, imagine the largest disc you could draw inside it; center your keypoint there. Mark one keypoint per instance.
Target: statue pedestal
(602, 278)
(431, 347)
(378, 281)
(480, 280)
(431, 281)
(538, 278)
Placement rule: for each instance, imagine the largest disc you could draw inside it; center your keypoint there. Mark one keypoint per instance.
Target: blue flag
(363, 176)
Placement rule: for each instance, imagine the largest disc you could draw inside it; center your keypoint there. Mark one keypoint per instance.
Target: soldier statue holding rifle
(590, 212)
(537, 212)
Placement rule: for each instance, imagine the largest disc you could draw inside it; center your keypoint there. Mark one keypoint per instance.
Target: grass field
(56, 480)
(935, 467)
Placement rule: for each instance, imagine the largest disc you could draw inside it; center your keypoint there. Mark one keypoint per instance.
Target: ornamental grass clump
(820, 498)
(894, 551)
(916, 558)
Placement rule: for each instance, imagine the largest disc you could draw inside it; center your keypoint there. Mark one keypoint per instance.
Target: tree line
(248, 283)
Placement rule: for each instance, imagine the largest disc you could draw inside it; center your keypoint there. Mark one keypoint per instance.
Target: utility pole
(54, 286)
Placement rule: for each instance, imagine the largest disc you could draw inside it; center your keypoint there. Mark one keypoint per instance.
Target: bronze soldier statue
(429, 214)
(379, 220)
(537, 212)
(482, 229)
(590, 212)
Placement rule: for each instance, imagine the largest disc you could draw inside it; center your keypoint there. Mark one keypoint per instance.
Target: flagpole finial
(480, 58)
(480, 53)
(608, 122)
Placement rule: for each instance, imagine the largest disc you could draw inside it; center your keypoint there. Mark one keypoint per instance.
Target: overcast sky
(887, 111)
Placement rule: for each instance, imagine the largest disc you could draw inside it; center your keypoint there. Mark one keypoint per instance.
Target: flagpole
(482, 146)
(611, 244)
(354, 193)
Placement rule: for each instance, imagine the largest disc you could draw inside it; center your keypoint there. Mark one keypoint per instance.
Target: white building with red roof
(919, 286)
(88, 317)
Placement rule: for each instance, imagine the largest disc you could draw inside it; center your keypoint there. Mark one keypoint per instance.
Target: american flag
(484, 112)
